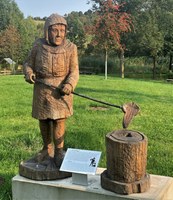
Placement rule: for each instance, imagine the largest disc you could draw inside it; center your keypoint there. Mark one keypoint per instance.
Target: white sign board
(80, 161)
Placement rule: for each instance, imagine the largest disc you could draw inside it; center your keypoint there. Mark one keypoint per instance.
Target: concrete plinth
(25, 189)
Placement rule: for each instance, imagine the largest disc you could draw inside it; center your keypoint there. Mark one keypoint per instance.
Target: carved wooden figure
(53, 60)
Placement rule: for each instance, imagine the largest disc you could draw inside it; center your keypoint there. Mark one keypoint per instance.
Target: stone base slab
(161, 188)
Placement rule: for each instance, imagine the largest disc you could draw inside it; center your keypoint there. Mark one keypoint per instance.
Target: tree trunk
(106, 64)
(154, 67)
(170, 63)
(122, 62)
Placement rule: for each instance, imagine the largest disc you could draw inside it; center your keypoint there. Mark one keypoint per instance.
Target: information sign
(80, 161)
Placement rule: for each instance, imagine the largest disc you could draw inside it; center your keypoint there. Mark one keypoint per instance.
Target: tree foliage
(153, 22)
(110, 23)
(76, 29)
(107, 26)
(29, 32)
(9, 14)
(17, 33)
(10, 43)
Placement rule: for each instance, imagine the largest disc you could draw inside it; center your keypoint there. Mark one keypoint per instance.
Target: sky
(44, 8)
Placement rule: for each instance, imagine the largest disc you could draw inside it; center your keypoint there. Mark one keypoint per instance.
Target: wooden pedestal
(41, 171)
(126, 162)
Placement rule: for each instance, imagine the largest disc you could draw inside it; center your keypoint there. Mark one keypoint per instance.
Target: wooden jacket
(56, 66)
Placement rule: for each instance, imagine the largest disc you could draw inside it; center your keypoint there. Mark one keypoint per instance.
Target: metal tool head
(130, 111)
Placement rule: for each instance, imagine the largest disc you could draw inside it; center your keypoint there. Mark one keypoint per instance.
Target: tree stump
(126, 153)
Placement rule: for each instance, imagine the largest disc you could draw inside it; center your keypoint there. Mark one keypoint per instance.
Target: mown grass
(20, 137)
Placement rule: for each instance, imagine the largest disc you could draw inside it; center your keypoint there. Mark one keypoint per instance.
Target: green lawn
(86, 129)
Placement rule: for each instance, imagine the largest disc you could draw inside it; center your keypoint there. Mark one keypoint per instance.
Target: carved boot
(59, 156)
(47, 150)
(58, 133)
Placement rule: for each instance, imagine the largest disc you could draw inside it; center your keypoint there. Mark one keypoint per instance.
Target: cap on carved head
(51, 20)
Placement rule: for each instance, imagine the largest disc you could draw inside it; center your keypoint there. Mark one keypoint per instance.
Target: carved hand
(30, 78)
(66, 89)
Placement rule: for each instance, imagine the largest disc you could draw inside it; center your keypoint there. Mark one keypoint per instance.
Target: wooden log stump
(126, 153)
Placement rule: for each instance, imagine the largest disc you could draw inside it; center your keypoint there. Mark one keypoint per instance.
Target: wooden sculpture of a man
(53, 61)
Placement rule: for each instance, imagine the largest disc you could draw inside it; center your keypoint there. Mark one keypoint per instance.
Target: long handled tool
(130, 109)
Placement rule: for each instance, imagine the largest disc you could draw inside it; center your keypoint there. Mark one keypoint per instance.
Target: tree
(10, 20)
(151, 37)
(9, 14)
(153, 25)
(29, 31)
(10, 43)
(165, 22)
(76, 29)
(110, 24)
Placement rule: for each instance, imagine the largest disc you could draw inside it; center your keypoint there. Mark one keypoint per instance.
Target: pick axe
(130, 109)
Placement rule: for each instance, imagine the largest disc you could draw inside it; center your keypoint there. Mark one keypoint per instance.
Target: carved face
(57, 34)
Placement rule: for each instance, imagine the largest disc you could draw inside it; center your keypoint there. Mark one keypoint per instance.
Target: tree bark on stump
(126, 162)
